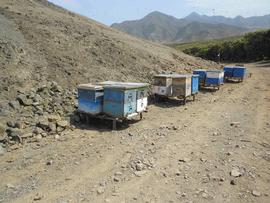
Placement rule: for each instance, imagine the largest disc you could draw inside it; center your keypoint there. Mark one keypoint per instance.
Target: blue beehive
(228, 71)
(214, 78)
(202, 76)
(195, 84)
(236, 72)
(121, 99)
(90, 99)
(239, 72)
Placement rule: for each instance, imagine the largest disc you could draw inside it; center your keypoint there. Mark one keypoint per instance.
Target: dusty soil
(216, 149)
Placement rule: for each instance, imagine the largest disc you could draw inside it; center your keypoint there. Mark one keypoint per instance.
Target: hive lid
(195, 75)
(123, 85)
(239, 67)
(215, 71)
(90, 87)
(199, 70)
(174, 75)
(181, 75)
(163, 76)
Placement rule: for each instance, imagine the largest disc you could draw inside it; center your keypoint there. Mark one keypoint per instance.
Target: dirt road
(216, 149)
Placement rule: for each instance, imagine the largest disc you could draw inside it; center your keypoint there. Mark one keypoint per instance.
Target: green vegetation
(250, 47)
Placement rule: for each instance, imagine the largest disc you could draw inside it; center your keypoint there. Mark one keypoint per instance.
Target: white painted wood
(142, 104)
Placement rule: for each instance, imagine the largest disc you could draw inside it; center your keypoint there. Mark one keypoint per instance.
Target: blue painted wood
(119, 103)
(235, 72)
(239, 72)
(90, 101)
(228, 71)
(202, 75)
(195, 84)
(214, 78)
(212, 81)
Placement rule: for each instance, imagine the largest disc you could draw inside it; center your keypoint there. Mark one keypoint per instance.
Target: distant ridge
(239, 21)
(163, 28)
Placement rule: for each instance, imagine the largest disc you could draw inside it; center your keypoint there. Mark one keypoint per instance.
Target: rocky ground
(46, 110)
(216, 149)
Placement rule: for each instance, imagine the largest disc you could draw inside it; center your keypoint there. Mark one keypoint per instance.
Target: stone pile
(42, 111)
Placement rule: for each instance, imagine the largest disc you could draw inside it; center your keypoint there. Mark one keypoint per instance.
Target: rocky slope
(45, 51)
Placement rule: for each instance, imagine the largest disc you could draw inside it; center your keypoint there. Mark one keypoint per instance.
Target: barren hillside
(42, 42)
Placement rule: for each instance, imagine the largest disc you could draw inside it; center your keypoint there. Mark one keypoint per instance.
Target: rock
(229, 153)
(118, 173)
(178, 173)
(54, 118)
(233, 182)
(19, 125)
(27, 135)
(236, 124)
(38, 137)
(203, 159)
(100, 190)
(23, 100)
(235, 173)
(205, 195)
(256, 193)
(64, 124)
(11, 124)
(59, 129)
(38, 197)
(2, 130)
(175, 128)
(222, 179)
(184, 160)
(140, 173)
(116, 179)
(10, 186)
(49, 163)
(52, 127)
(15, 134)
(4, 112)
(38, 99)
(139, 166)
(14, 104)
(37, 131)
(44, 124)
(2, 150)
(56, 88)
(57, 137)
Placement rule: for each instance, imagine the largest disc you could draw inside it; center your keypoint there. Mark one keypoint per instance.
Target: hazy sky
(111, 11)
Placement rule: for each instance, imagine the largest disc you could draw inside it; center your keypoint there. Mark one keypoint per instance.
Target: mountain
(41, 42)
(239, 21)
(155, 27)
(163, 28)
